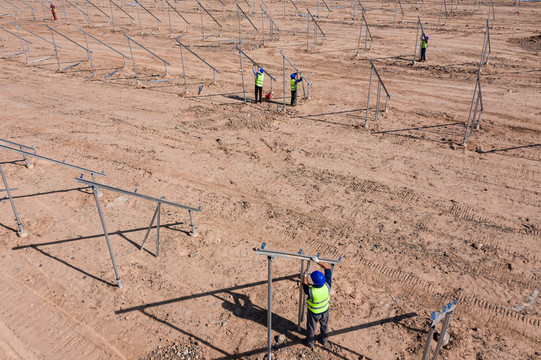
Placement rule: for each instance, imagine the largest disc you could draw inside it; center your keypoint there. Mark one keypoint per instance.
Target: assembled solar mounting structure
(96, 186)
(306, 96)
(111, 3)
(239, 12)
(201, 8)
(436, 317)
(316, 28)
(272, 26)
(214, 70)
(419, 27)
(88, 52)
(271, 254)
(124, 57)
(165, 63)
(443, 9)
(398, 3)
(366, 34)
(381, 85)
(26, 154)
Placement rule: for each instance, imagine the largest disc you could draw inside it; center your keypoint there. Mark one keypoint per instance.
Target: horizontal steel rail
(187, 48)
(104, 44)
(19, 145)
(135, 194)
(275, 253)
(63, 163)
(253, 62)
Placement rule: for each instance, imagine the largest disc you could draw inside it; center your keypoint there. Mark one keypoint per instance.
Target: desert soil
(418, 219)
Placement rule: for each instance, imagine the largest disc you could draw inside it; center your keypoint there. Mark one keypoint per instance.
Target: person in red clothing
(53, 11)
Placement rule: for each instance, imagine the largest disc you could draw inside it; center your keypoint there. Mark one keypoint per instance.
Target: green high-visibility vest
(259, 80)
(293, 84)
(318, 301)
(424, 44)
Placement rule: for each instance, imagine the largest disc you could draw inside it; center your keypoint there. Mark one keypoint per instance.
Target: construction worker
(295, 79)
(424, 45)
(259, 77)
(53, 11)
(318, 301)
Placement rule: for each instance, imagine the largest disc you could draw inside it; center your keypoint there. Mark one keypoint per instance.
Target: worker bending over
(319, 296)
(295, 79)
(259, 77)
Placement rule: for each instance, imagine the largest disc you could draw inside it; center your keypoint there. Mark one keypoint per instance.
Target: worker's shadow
(242, 307)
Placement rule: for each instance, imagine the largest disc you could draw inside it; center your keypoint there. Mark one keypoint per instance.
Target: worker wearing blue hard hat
(424, 45)
(319, 295)
(259, 77)
(295, 79)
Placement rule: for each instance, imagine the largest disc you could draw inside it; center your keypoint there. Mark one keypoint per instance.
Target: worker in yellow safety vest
(259, 77)
(424, 45)
(295, 79)
(319, 296)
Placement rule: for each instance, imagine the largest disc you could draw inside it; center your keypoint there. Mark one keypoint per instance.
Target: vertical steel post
(22, 45)
(471, 109)
(284, 77)
(89, 56)
(426, 351)
(369, 89)
(169, 16)
(149, 228)
(56, 51)
(269, 310)
(139, 17)
(378, 100)
(263, 25)
(359, 41)
(301, 291)
(303, 303)
(112, 14)
(416, 40)
(308, 33)
(29, 165)
(475, 109)
(183, 71)
(158, 230)
(21, 232)
(106, 233)
(395, 4)
(242, 75)
(238, 17)
(133, 61)
(202, 25)
(366, 33)
(444, 327)
(193, 232)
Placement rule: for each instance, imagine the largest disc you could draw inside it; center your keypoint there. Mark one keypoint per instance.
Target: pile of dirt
(180, 350)
(530, 43)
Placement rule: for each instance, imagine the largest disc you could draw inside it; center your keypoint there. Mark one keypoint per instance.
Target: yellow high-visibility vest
(259, 80)
(293, 84)
(319, 299)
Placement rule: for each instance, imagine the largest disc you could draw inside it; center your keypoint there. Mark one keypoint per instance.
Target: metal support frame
(422, 3)
(272, 26)
(491, 13)
(88, 52)
(310, 16)
(83, 14)
(97, 8)
(516, 7)
(326, 6)
(21, 39)
(21, 232)
(214, 70)
(201, 8)
(296, 8)
(156, 215)
(241, 53)
(239, 12)
(436, 317)
(381, 85)
(124, 57)
(476, 109)
(271, 254)
(16, 9)
(137, 5)
(366, 34)
(165, 63)
(419, 27)
(397, 2)
(485, 53)
(443, 9)
(476, 5)
(111, 3)
(32, 9)
(306, 96)
(363, 10)
(169, 7)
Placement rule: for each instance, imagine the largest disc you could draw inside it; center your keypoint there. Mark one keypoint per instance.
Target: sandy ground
(418, 219)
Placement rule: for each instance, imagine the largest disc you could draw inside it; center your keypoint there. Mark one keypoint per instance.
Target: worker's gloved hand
(315, 259)
(306, 274)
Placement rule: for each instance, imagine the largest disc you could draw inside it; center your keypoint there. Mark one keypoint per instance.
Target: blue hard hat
(293, 75)
(261, 70)
(318, 278)
(427, 37)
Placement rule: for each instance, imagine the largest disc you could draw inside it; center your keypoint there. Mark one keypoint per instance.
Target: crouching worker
(319, 296)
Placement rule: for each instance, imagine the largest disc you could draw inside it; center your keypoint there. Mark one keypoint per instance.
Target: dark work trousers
(258, 93)
(311, 325)
(423, 54)
(293, 97)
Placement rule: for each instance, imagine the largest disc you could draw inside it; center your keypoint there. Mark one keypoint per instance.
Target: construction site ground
(418, 219)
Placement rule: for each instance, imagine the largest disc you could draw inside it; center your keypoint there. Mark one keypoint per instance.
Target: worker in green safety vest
(295, 79)
(424, 45)
(259, 77)
(319, 296)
